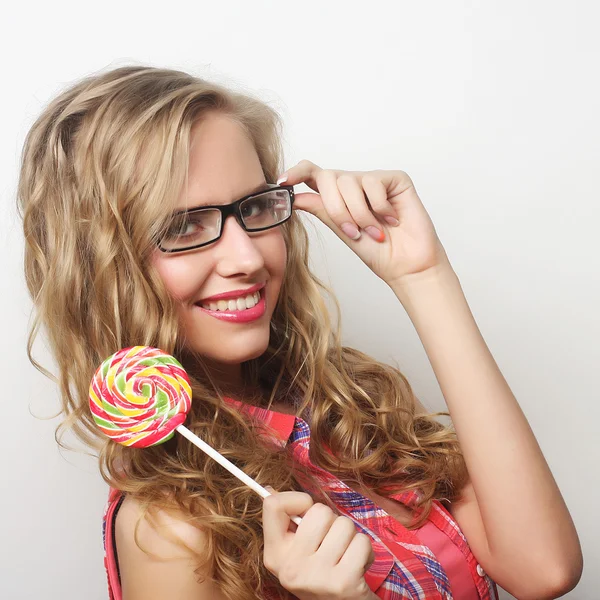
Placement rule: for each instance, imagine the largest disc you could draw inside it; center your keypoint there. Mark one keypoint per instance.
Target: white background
(491, 107)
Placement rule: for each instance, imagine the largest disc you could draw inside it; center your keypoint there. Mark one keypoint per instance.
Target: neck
(234, 387)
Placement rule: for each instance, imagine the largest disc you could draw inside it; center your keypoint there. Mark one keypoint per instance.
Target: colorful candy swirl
(139, 395)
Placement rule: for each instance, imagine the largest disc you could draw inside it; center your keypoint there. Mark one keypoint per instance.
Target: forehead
(223, 165)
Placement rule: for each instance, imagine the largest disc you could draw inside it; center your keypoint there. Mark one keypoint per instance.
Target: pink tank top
(451, 559)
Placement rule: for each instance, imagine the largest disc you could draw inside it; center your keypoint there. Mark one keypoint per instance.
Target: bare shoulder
(162, 567)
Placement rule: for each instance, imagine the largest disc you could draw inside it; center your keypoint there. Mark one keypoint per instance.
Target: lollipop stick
(259, 489)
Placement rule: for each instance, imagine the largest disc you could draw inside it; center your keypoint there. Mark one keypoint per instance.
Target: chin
(235, 350)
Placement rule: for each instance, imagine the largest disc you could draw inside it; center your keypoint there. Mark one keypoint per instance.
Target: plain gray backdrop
(492, 109)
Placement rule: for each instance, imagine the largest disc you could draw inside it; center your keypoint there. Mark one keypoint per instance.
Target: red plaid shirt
(403, 566)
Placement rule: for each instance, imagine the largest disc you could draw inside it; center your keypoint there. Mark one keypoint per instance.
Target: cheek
(276, 254)
(179, 275)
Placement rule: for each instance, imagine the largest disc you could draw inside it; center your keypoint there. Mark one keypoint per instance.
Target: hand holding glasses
(197, 227)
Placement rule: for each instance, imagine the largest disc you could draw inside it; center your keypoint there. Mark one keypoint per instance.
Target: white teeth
(238, 304)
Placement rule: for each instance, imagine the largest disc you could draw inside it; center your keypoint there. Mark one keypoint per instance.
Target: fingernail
(392, 221)
(282, 179)
(269, 488)
(351, 231)
(375, 233)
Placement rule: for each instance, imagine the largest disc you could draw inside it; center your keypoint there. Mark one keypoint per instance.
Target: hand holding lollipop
(140, 396)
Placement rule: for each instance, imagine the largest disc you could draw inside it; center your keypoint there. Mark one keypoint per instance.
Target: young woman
(154, 214)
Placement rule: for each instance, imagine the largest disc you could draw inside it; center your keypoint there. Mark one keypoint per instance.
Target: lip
(240, 316)
(233, 294)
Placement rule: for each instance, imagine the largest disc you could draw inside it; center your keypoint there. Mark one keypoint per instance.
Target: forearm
(520, 503)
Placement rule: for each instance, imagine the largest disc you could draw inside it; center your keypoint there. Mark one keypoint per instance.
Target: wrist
(436, 278)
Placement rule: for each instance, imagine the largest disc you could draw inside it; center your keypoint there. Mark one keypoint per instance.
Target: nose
(238, 252)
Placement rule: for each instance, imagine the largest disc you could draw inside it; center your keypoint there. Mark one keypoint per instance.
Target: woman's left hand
(364, 199)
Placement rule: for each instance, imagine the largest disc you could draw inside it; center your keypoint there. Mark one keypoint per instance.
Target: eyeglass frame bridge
(233, 209)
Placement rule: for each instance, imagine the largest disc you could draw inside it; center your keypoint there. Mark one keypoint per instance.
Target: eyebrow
(258, 188)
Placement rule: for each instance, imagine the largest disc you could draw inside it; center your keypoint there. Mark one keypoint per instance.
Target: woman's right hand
(325, 558)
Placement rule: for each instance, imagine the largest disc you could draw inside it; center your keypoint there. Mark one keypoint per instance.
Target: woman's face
(223, 167)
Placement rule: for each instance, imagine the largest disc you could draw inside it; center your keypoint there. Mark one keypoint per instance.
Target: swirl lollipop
(141, 395)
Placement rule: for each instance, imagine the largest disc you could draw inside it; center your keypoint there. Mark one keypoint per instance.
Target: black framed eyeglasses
(197, 227)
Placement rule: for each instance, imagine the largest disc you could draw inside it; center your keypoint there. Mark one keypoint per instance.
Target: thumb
(306, 172)
(310, 202)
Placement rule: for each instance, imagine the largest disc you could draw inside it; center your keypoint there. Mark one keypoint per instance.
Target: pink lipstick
(240, 316)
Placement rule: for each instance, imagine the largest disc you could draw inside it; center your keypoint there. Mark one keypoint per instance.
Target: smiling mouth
(239, 304)
(239, 313)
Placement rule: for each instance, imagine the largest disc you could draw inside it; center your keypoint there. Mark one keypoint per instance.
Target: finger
(292, 526)
(337, 540)
(313, 203)
(314, 527)
(370, 560)
(377, 196)
(354, 198)
(357, 555)
(336, 205)
(304, 172)
(276, 513)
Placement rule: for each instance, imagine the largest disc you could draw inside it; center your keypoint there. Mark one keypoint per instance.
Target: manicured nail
(375, 233)
(282, 179)
(351, 231)
(392, 221)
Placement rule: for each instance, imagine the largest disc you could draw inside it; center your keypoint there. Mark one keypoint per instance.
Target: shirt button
(480, 571)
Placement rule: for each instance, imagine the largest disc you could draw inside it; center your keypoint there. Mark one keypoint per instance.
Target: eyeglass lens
(203, 226)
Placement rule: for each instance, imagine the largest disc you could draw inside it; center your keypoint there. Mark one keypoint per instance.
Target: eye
(258, 205)
(183, 227)
(251, 210)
